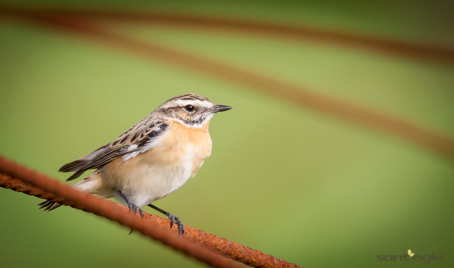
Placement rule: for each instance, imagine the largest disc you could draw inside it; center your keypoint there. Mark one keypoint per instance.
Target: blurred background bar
(306, 186)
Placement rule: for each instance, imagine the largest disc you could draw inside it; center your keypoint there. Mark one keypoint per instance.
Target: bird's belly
(150, 176)
(147, 184)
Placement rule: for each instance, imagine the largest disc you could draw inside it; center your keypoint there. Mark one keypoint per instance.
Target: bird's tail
(48, 205)
(89, 185)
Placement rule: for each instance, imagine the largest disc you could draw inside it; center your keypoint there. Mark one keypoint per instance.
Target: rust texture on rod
(22, 179)
(270, 29)
(365, 116)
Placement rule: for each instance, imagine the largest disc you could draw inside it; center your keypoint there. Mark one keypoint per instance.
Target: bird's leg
(171, 217)
(131, 205)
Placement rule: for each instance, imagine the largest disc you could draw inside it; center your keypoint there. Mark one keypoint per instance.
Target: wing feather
(141, 135)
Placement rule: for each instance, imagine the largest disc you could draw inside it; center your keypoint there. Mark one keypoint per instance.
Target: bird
(152, 159)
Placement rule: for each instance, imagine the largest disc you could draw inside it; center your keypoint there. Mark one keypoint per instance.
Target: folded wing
(134, 141)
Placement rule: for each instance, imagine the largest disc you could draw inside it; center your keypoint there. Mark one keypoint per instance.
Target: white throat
(196, 125)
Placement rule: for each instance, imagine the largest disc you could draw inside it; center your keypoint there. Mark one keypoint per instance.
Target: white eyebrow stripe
(199, 103)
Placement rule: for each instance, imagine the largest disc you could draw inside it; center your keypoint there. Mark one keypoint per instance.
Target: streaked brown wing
(133, 140)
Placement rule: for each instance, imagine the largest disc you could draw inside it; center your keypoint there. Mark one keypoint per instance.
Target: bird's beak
(221, 108)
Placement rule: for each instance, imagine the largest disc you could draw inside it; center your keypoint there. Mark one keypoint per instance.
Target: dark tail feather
(49, 205)
(73, 166)
(75, 175)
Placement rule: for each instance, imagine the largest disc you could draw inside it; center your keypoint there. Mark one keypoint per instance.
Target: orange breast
(173, 146)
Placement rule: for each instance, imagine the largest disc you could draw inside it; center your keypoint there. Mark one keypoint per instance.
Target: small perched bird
(152, 159)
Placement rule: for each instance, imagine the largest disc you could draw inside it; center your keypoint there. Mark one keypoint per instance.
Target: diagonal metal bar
(373, 119)
(195, 243)
(340, 37)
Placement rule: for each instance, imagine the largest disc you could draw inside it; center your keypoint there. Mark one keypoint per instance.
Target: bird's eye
(189, 108)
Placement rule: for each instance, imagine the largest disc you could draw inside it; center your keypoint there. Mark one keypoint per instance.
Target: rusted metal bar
(22, 179)
(274, 30)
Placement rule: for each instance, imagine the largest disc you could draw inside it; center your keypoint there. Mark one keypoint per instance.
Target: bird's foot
(174, 219)
(132, 207)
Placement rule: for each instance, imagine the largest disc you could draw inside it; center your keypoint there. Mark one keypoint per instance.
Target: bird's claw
(135, 209)
(132, 207)
(180, 225)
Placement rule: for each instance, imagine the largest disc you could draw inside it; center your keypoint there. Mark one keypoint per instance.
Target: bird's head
(191, 110)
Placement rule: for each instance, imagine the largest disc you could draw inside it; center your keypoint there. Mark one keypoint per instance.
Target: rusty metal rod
(21, 179)
(440, 53)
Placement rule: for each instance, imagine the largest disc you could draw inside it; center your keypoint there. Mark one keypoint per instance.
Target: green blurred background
(302, 186)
